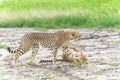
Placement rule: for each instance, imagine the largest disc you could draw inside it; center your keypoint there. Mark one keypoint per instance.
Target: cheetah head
(77, 56)
(74, 56)
(82, 57)
(74, 35)
(70, 35)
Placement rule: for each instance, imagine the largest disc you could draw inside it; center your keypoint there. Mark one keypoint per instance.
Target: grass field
(60, 13)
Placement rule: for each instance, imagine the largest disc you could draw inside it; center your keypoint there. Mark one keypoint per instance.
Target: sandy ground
(102, 53)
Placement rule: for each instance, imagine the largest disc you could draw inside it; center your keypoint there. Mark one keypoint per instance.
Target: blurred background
(60, 13)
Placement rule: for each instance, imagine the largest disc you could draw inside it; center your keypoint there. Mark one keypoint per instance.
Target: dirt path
(102, 53)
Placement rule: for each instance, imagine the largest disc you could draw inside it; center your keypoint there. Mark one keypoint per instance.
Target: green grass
(111, 64)
(117, 42)
(21, 65)
(60, 13)
(2, 46)
(78, 63)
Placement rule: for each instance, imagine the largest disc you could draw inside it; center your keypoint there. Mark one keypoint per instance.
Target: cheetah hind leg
(33, 56)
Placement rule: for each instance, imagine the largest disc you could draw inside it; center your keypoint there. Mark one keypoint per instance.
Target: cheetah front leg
(54, 55)
(33, 56)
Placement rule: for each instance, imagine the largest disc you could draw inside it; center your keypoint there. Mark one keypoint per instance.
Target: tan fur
(48, 40)
(70, 55)
(73, 55)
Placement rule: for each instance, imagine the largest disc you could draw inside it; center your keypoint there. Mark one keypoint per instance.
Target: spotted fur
(47, 40)
(70, 54)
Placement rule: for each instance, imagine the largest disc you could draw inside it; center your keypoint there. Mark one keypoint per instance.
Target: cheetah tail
(45, 61)
(11, 51)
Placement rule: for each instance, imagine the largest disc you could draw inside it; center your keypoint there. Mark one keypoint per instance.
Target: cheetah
(52, 41)
(70, 54)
